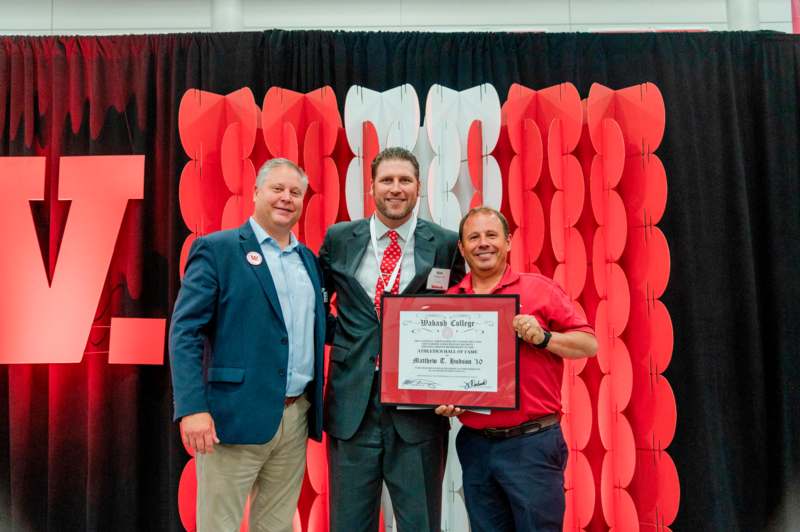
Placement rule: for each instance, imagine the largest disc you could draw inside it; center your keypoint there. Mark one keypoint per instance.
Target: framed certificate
(449, 350)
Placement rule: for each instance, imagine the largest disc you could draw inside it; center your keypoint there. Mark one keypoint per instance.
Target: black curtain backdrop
(91, 446)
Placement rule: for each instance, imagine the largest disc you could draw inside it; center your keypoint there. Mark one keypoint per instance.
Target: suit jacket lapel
(356, 245)
(313, 273)
(424, 255)
(249, 244)
(307, 258)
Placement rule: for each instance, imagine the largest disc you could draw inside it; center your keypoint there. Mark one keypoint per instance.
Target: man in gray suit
(368, 443)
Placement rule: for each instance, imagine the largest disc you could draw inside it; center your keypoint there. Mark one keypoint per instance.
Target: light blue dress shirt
(296, 297)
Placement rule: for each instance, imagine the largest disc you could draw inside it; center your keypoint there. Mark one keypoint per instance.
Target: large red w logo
(49, 322)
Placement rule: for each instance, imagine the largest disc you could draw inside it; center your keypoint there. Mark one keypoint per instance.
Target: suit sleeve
(326, 301)
(329, 285)
(193, 313)
(457, 269)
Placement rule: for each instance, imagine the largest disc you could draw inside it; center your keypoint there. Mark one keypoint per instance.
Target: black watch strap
(545, 340)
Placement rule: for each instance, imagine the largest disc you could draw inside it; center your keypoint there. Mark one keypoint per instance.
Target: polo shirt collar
(509, 277)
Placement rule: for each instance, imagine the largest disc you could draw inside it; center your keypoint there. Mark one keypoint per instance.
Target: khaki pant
(270, 473)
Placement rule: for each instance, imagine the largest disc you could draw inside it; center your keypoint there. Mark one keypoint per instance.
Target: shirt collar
(262, 236)
(509, 277)
(402, 231)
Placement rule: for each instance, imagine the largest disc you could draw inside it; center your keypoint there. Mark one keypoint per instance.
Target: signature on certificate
(420, 382)
(474, 383)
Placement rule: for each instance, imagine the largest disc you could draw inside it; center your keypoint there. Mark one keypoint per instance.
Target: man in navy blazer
(246, 346)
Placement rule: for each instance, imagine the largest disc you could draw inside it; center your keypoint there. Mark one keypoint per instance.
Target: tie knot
(392, 234)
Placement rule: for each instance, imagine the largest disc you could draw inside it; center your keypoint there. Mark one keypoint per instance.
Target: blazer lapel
(307, 258)
(355, 247)
(249, 244)
(424, 255)
(358, 242)
(319, 305)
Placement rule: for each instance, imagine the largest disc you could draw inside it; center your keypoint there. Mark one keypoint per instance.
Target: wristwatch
(545, 340)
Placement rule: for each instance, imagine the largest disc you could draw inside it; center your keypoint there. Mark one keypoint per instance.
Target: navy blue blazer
(228, 342)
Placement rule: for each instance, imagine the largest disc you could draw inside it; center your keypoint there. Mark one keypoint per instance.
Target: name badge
(438, 279)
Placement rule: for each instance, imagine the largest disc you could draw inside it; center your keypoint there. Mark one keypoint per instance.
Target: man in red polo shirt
(513, 460)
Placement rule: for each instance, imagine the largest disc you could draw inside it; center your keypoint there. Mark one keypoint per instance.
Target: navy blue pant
(516, 484)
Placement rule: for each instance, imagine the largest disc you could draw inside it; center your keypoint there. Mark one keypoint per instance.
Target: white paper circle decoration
(492, 183)
(354, 189)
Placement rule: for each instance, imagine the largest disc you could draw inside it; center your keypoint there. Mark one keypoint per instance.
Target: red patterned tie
(390, 257)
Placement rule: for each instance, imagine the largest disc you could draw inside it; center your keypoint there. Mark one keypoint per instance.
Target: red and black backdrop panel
(90, 445)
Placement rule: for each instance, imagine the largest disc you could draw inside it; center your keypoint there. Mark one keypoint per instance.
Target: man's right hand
(449, 410)
(198, 432)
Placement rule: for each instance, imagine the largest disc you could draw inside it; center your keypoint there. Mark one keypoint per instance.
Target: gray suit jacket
(356, 340)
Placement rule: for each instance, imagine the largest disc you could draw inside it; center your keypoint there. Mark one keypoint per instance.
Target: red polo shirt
(540, 371)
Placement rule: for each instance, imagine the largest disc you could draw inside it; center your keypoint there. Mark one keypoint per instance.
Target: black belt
(529, 427)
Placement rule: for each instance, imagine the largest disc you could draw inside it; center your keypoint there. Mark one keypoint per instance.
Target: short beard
(381, 206)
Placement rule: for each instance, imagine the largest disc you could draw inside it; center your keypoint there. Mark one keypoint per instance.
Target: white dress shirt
(368, 271)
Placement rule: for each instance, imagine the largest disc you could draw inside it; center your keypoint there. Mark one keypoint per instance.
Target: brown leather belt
(529, 427)
(289, 401)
